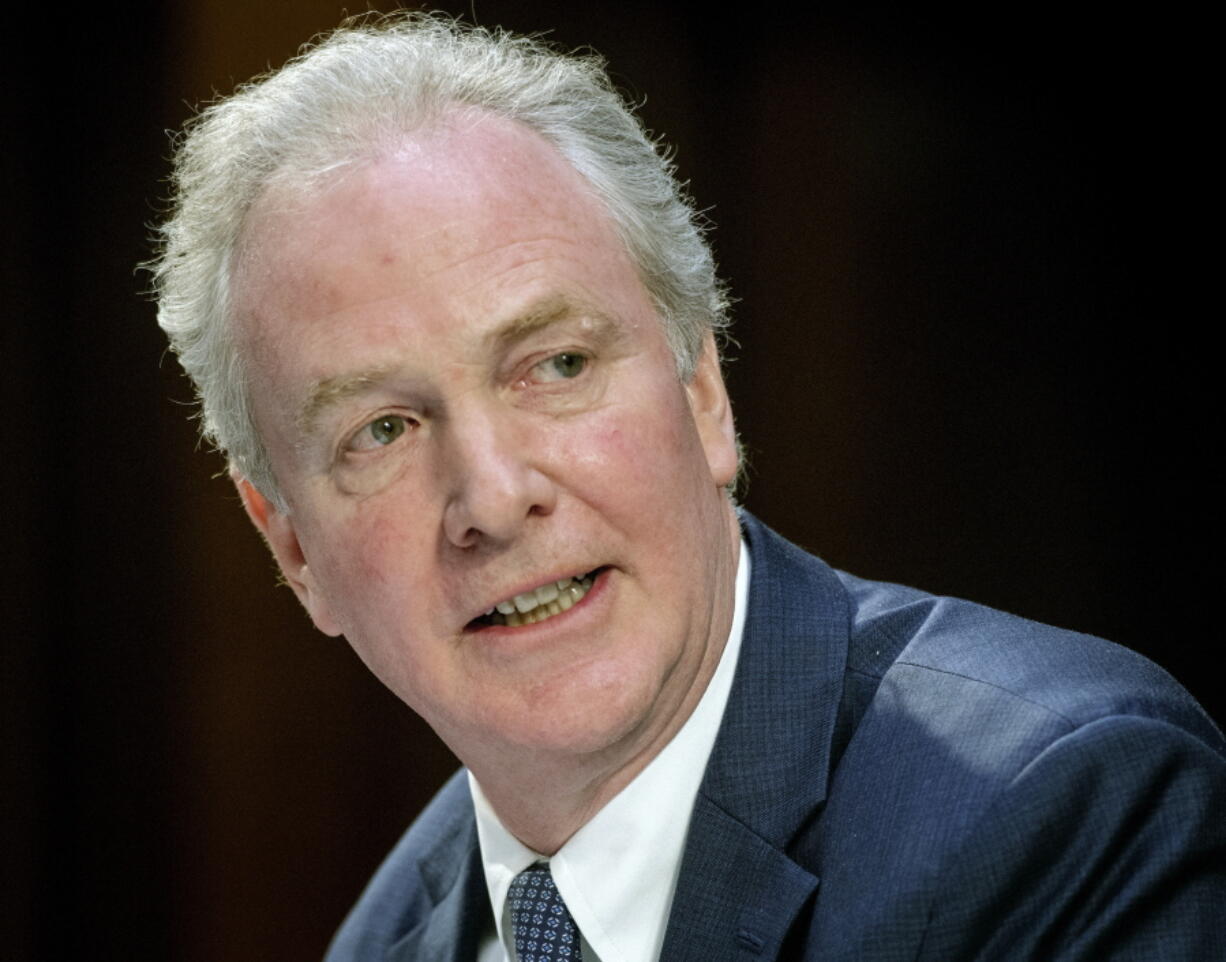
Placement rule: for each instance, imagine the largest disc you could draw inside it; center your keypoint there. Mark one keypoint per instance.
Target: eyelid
(539, 361)
(350, 443)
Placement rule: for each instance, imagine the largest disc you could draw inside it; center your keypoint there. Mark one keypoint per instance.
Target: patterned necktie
(544, 930)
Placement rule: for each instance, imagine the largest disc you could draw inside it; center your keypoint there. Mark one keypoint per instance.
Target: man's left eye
(561, 367)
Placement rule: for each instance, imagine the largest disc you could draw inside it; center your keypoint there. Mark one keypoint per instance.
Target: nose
(495, 480)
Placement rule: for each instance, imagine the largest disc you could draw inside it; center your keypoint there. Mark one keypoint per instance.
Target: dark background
(972, 358)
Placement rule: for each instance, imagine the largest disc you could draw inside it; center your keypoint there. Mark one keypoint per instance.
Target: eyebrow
(538, 316)
(329, 392)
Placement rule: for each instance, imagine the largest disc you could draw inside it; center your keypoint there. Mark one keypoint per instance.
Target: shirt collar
(618, 872)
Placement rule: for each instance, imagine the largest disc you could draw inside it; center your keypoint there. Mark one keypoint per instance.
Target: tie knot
(544, 930)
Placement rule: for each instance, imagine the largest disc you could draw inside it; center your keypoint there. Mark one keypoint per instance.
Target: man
(454, 325)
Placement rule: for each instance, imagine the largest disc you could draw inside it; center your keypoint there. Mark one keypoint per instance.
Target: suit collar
(769, 770)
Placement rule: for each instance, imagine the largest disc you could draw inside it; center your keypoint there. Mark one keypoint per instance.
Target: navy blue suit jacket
(900, 777)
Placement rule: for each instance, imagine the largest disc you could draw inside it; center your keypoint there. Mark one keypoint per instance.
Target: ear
(278, 531)
(713, 414)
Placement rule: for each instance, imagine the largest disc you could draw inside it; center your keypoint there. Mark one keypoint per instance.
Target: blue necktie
(544, 930)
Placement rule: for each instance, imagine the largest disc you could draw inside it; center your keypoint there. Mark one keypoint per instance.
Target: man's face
(467, 396)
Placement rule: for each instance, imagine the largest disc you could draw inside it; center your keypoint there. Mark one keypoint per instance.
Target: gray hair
(355, 93)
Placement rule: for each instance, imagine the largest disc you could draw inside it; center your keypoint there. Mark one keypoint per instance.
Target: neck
(544, 821)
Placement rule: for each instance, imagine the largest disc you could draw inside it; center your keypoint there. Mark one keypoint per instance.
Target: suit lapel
(767, 776)
(454, 880)
(737, 893)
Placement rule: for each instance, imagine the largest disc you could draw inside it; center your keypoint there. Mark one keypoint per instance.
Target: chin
(576, 719)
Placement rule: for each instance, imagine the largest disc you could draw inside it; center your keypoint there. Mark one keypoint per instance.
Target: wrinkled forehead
(464, 155)
(435, 189)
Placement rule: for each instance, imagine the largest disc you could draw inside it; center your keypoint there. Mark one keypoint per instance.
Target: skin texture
(466, 295)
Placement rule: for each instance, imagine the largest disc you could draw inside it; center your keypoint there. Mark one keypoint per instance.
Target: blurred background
(970, 358)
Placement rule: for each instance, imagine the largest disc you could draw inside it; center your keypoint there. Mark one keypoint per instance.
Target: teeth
(525, 602)
(541, 603)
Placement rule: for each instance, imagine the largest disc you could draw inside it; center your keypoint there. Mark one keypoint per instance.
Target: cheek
(364, 566)
(375, 591)
(651, 435)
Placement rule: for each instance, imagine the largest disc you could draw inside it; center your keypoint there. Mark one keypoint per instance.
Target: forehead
(472, 192)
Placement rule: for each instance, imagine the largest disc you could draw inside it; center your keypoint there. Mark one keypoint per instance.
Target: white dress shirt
(619, 871)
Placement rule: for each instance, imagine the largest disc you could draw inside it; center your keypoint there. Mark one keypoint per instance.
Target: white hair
(356, 93)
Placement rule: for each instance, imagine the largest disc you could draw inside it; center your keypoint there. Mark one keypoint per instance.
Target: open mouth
(539, 604)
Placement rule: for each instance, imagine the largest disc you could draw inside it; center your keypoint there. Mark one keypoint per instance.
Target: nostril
(491, 502)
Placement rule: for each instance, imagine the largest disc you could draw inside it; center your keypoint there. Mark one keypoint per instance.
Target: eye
(387, 429)
(379, 433)
(561, 367)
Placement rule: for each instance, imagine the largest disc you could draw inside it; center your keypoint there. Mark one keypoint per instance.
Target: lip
(595, 594)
